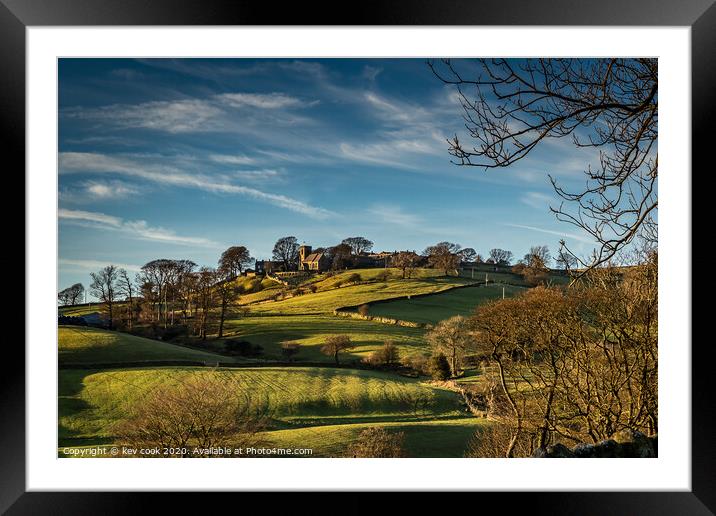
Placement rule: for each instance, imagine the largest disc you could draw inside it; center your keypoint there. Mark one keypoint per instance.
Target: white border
(670, 471)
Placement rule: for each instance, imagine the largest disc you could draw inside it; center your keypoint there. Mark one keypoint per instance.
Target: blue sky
(168, 158)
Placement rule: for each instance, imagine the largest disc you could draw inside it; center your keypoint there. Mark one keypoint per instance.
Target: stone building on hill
(309, 261)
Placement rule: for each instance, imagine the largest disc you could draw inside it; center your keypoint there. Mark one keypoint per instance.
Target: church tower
(303, 253)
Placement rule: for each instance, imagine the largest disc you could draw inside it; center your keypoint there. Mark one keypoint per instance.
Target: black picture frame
(17, 15)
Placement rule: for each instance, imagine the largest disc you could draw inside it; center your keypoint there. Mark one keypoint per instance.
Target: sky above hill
(163, 158)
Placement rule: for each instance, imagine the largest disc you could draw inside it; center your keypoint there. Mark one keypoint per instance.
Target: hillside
(299, 401)
(84, 345)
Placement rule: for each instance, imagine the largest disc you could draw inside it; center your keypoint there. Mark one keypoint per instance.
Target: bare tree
(286, 251)
(406, 261)
(451, 337)
(377, 442)
(185, 285)
(387, 355)
(104, 288)
(227, 292)
(194, 413)
(234, 260)
(205, 299)
(565, 260)
(444, 256)
(511, 106)
(71, 295)
(335, 344)
(358, 245)
(467, 254)
(340, 256)
(126, 289)
(500, 256)
(576, 364)
(155, 276)
(538, 257)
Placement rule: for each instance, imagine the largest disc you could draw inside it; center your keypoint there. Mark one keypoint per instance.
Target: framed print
(416, 250)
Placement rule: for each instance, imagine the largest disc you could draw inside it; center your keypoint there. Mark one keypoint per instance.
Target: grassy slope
(311, 332)
(326, 301)
(437, 307)
(309, 319)
(79, 344)
(80, 310)
(311, 407)
(444, 438)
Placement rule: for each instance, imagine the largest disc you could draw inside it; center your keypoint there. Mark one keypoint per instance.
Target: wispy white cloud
(139, 229)
(94, 265)
(168, 175)
(209, 114)
(561, 234)
(232, 159)
(393, 214)
(90, 216)
(176, 116)
(262, 100)
(537, 200)
(396, 152)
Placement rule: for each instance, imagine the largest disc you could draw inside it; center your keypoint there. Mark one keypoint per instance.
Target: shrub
(519, 268)
(418, 363)
(438, 367)
(388, 356)
(383, 275)
(199, 412)
(377, 443)
(354, 277)
(364, 310)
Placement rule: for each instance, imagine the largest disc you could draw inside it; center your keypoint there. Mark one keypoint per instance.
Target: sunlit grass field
(436, 307)
(82, 345)
(311, 331)
(322, 408)
(327, 301)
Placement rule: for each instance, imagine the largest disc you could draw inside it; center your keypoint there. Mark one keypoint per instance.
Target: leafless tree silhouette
(511, 106)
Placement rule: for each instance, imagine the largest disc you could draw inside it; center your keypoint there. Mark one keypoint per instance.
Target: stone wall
(625, 444)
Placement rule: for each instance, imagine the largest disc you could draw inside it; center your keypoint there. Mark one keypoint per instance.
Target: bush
(377, 443)
(383, 275)
(519, 268)
(387, 356)
(354, 277)
(417, 363)
(438, 367)
(364, 310)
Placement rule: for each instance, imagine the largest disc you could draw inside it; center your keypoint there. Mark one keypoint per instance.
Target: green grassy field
(485, 272)
(436, 307)
(311, 332)
(326, 301)
(83, 345)
(322, 408)
(79, 310)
